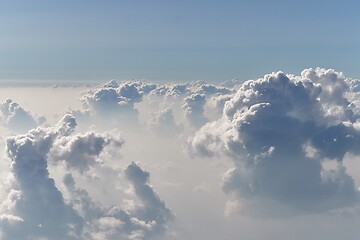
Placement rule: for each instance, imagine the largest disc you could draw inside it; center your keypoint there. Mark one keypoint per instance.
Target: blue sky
(175, 40)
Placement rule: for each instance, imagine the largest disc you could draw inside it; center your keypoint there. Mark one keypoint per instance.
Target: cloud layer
(276, 147)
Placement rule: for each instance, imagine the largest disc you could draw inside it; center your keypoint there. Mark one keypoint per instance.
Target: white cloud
(39, 203)
(81, 151)
(201, 87)
(163, 122)
(282, 114)
(112, 100)
(36, 208)
(170, 90)
(17, 119)
(194, 109)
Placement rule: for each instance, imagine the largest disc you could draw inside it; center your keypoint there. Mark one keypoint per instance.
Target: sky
(136, 120)
(175, 40)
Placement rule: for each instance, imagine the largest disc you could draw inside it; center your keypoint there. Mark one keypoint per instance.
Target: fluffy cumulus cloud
(36, 208)
(82, 151)
(170, 90)
(217, 103)
(119, 102)
(153, 214)
(194, 109)
(279, 130)
(186, 89)
(116, 100)
(163, 122)
(232, 84)
(16, 118)
(202, 87)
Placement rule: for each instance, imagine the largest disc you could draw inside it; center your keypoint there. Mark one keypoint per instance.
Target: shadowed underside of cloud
(36, 209)
(278, 130)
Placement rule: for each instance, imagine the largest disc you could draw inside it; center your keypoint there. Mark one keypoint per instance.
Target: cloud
(279, 143)
(232, 84)
(154, 210)
(35, 208)
(186, 89)
(119, 104)
(113, 100)
(16, 118)
(194, 109)
(81, 151)
(217, 103)
(202, 87)
(35, 203)
(170, 90)
(142, 220)
(354, 84)
(163, 122)
(267, 128)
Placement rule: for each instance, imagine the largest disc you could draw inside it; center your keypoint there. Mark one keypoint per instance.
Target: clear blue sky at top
(175, 40)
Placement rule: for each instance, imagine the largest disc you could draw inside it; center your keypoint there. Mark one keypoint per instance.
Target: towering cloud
(153, 214)
(35, 208)
(278, 130)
